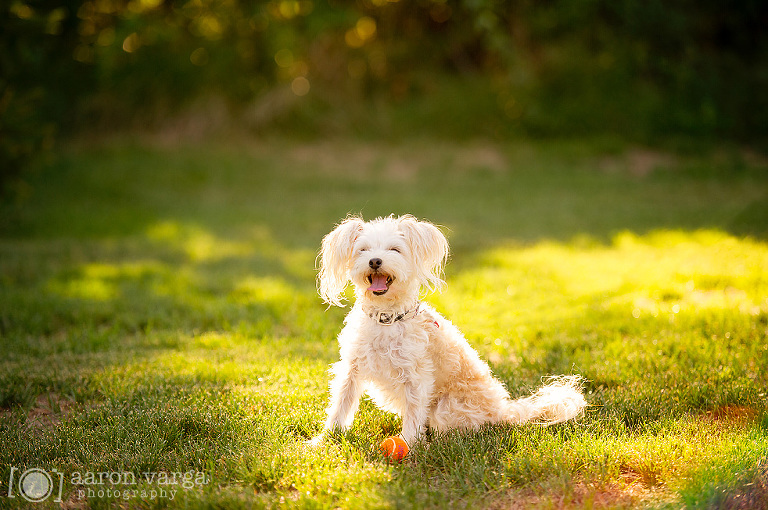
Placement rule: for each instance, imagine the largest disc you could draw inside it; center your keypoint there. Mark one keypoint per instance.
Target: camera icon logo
(35, 485)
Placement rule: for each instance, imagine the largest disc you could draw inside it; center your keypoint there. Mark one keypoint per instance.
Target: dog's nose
(375, 263)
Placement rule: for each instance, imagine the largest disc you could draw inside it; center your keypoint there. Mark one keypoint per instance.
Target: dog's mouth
(380, 283)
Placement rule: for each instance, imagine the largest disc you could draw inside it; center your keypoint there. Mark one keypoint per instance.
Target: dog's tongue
(378, 283)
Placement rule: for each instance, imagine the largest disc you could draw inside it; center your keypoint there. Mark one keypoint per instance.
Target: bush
(39, 82)
(641, 69)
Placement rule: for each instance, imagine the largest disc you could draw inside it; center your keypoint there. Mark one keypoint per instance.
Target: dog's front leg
(346, 390)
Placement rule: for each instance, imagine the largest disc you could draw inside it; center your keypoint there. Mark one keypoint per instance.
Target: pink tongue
(378, 283)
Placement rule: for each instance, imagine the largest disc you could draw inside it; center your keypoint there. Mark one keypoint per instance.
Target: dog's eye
(395, 249)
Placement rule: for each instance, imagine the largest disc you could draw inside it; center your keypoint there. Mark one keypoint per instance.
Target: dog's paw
(315, 441)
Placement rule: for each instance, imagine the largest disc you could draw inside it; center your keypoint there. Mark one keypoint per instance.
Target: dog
(408, 358)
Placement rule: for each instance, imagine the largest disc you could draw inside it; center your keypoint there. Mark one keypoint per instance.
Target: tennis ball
(394, 448)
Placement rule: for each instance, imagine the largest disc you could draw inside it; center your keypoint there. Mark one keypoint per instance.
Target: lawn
(164, 345)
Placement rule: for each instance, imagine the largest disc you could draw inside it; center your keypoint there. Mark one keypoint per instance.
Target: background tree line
(642, 69)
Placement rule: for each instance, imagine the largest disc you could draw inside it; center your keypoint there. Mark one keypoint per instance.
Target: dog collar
(389, 318)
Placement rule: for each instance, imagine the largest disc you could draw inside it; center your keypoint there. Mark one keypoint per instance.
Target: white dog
(410, 359)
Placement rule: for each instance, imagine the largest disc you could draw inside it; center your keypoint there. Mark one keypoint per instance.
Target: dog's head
(387, 259)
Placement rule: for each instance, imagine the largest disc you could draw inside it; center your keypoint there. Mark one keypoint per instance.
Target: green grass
(158, 314)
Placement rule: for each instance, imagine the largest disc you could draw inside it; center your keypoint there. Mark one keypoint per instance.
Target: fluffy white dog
(410, 359)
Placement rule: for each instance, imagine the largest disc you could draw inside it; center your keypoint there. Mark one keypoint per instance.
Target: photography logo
(35, 484)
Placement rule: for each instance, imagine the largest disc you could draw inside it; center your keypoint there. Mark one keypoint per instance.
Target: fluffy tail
(557, 401)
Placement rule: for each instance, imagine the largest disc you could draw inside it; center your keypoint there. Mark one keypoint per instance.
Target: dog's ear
(429, 248)
(335, 256)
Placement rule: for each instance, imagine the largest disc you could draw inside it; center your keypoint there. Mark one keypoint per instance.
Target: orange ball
(394, 448)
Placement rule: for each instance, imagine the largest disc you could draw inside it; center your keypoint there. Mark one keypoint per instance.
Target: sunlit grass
(162, 316)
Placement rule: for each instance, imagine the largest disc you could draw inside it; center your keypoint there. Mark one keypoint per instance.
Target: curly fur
(420, 367)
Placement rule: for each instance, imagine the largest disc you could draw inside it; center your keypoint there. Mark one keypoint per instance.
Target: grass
(158, 316)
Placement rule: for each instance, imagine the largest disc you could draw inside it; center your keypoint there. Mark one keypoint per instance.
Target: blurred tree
(39, 82)
(547, 67)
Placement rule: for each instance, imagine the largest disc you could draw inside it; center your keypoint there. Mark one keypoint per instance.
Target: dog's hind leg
(415, 400)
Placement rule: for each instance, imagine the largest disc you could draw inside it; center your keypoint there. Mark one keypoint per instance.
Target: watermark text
(36, 485)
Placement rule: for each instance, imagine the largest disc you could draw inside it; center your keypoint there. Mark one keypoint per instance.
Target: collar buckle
(385, 318)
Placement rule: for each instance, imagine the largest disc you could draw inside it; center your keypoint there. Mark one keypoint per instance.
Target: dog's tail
(557, 401)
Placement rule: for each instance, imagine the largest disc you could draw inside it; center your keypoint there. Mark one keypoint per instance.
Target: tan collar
(388, 318)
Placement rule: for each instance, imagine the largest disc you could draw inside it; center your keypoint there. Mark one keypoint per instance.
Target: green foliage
(652, 68)
(39, 82)
(641, 69)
